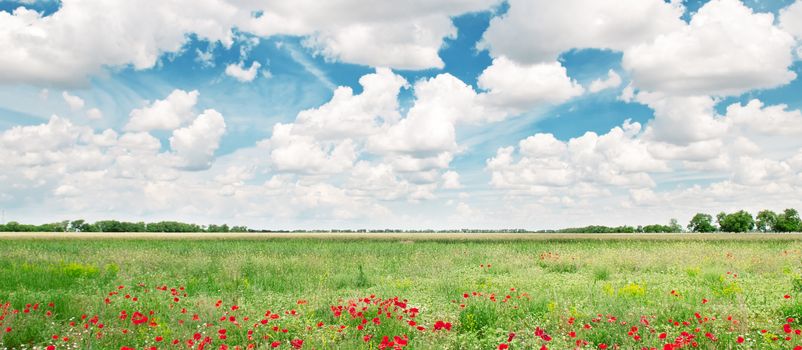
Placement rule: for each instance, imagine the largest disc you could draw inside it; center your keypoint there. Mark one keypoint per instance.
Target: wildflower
(442, 325)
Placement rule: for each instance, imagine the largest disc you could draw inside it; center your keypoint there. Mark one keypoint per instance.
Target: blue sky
(477, 118)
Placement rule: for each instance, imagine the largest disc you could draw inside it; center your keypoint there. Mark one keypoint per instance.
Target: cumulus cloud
(726, 49)
(65, 47)
(71, 168)
(238, 71)
(429, 126)
(791, 19)
(385, 34)
(364, 136)
(167, 114)
(194, 145)
(521, 87)
(451, 180)
(348, 115)
(751, 157)
(75, 102)
(681, 120)
(534, 31)
(303, 154)
(544, 164)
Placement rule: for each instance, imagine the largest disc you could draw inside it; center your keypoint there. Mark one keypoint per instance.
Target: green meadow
(391, 294)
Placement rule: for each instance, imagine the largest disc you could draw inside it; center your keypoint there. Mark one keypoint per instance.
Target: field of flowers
(367, 294)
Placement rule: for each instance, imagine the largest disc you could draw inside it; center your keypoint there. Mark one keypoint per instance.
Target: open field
(407, 236)
(459, 291)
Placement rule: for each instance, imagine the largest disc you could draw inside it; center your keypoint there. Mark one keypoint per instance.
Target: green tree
(720, 217)
(739, 221)
(674, 225)
(657, 228)
(788, 221)
(701, 223)
(79, 225)
(766, 221)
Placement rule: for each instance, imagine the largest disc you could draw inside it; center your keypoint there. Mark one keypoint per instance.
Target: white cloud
(534, 31)
(66, 46)
(75, 102)
(238, 71)
(726, 49)
(791, 19)
(348, 115)
(28, 140)
(613, 80)
(541, 145)
(167, 114)
(195, 144)
(544, 164)
(520, 87)
(681, 120)
(772, 120)
(451, 180)
(94, 114)
(303, 154)
(205, 58)
(429, 126)
(340, 138)
(385, 34)
(751, 157)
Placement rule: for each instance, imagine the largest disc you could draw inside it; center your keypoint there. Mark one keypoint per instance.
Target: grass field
(452, 293)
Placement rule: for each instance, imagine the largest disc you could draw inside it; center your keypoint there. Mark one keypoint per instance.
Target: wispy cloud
(298, 56)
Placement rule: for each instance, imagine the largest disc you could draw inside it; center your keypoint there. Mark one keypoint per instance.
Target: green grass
(548, 284)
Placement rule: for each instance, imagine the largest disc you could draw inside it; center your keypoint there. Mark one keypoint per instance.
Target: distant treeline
(118, 226)
(672, 227)
(741, 221)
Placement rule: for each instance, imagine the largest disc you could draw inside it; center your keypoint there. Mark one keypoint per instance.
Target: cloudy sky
(416, 114)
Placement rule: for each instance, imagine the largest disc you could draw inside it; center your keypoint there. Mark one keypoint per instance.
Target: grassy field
(452, 293)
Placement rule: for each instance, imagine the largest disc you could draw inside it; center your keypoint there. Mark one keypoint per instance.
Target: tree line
(741, 221)
(118, 226)
(672, 227)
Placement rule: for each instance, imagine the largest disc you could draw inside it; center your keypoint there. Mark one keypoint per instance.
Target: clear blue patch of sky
(460, 55)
